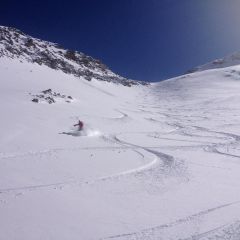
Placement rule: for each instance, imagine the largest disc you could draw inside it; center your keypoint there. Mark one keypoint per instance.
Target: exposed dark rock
(35, 100)
(47, 91)
(50, 100)
(29, 43)
(50, 97)
(71, 55)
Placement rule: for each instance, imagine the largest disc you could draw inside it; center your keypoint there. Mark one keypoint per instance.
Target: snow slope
(228, 61)
(154, 162)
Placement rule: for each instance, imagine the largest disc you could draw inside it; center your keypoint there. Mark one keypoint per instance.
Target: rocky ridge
(16, 44)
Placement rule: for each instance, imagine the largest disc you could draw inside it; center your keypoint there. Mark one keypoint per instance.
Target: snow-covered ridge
(16, 44)
(228, 61)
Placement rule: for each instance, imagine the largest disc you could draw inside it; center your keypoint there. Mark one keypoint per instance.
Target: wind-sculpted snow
(158, 162)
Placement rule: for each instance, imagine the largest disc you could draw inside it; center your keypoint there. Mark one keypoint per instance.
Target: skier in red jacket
(79, 124)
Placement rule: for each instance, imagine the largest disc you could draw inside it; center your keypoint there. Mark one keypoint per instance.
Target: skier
(79, 124)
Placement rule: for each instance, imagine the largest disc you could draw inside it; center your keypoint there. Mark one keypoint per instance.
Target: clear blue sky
(139, 39)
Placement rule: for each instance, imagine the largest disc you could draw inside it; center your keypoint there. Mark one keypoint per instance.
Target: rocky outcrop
(49, 96)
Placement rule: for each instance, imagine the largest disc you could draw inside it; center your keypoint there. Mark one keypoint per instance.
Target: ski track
(153, 162)
(144, 233)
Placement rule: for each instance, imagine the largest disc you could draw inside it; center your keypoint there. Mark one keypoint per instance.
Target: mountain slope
(156, 162)
(231, 60)
(16, 44)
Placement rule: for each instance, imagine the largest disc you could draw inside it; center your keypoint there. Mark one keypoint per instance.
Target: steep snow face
(16, 44)
(157, 162)
(231, 60)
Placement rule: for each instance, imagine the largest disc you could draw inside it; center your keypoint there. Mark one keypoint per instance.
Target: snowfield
(157, 162)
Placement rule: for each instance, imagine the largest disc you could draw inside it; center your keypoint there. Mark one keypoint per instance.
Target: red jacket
(80, 124)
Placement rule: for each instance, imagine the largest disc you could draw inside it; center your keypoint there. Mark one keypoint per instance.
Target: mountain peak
(16, 44)
(228, 61)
